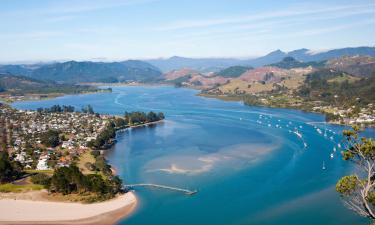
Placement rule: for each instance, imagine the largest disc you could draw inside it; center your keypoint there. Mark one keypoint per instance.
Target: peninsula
(53, 163)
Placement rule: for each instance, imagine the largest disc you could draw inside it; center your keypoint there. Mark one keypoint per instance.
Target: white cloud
(340, 11)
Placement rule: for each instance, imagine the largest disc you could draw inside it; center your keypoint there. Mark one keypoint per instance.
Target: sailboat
(324, 166)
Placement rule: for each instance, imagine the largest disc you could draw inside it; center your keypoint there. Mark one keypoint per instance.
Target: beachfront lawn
(9, 187)
(85, 160)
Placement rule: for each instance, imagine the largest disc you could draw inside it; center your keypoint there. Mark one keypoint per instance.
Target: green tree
(50, 138)
(357, 190)
(6, 169)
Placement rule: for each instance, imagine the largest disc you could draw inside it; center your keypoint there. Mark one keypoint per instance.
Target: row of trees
(137, 117)
(65, 108)
(57, 109)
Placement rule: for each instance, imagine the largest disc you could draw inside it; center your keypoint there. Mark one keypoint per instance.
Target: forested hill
(19, 85)
(290, 62)
(75, 72)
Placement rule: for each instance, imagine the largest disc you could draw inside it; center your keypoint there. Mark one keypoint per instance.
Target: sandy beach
(29, 211)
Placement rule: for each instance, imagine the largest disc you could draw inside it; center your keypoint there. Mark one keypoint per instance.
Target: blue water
(247, 169)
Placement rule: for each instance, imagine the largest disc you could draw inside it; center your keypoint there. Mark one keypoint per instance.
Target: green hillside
(74, 72)
(290, 62)
(233, 71)
(20, 85)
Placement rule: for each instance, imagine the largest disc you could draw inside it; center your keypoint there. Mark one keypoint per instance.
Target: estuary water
(251, 165)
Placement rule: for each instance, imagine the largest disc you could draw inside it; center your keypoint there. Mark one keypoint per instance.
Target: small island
(52, 159)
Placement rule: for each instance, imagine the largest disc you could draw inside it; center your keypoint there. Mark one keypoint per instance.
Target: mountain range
(217, 64)
(152, 70)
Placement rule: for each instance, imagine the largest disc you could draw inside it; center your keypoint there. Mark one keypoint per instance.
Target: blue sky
(45, 30)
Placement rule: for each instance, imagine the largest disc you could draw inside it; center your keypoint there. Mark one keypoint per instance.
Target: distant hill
(73, 72)
(360, 66)
(290, 62)
(306, 55)
(19, 85)
(273, 57)
(201, 64)
(8, 82)
(15, 69)
(218, 64)
(233, 71)
(176, 74)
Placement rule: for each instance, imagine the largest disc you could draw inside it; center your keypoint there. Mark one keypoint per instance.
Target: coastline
(48, 96)
(16, 211)
(239, 99)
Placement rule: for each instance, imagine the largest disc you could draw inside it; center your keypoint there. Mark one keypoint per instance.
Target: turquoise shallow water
(247, 163)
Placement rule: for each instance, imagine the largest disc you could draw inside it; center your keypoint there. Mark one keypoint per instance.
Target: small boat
(334, 149)
(304, 144)
(332, 155)
(324, 166)
(319, 131)
(269, 125)
(298, 134)
(331, 137)
(339, 145)
(300, 126)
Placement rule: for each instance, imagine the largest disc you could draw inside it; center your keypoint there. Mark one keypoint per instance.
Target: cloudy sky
(44, 30)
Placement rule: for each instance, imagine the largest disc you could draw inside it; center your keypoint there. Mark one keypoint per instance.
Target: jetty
(185, 191)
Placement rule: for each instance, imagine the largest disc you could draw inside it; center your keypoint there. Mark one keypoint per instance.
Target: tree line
(65, 108)
(134, 118)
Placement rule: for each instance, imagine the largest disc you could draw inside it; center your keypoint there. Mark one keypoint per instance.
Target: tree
(358, 190)
(50, 138)
(6, 169)
(88, 109)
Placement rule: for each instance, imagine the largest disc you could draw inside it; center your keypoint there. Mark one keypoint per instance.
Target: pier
(185, 191)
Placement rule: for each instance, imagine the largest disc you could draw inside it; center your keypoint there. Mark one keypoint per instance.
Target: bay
(250, 165)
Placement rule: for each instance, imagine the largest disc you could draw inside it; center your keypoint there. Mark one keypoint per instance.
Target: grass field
(48, 172)
(84, 158)
(19, 188)
(344, 77)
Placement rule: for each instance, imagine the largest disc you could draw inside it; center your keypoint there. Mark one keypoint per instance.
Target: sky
(106, 30)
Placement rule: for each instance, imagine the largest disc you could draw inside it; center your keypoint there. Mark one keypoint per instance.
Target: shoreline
(40, 211)
(48, 96)
(238, 99)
